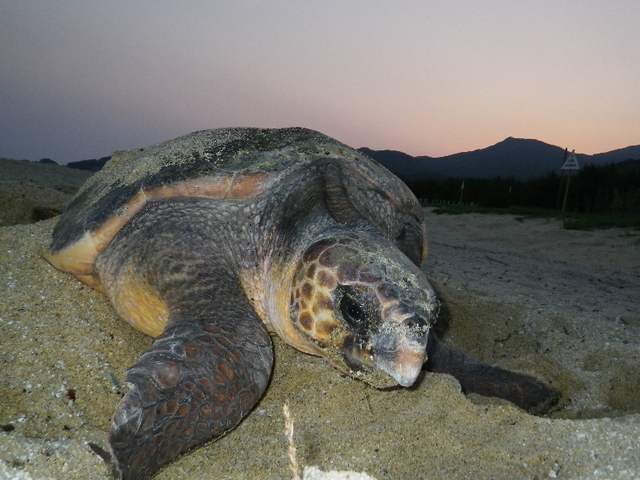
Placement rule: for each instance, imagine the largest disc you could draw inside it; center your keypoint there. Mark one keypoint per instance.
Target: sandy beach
(561, 305)
(27, 186)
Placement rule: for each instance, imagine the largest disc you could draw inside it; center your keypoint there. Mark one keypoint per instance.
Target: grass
(600, 220)
(570, 220)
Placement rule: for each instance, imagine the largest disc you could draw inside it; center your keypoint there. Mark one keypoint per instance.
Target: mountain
(92, 165)
(615, 156)
(49, 161)
(402, 164)
(513, 157)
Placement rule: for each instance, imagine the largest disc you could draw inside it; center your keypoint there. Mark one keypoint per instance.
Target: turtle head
(365, 307)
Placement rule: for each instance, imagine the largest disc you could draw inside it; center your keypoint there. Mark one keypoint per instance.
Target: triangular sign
(571, 163)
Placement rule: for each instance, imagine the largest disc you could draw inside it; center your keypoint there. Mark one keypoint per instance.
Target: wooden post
(571, 163)
(566, 192)
(566, 151)
(461, 192)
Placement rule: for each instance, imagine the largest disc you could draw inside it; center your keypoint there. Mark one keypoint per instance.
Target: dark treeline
(594, 189)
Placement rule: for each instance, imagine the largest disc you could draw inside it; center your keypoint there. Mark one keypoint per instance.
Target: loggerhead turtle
(211, 241)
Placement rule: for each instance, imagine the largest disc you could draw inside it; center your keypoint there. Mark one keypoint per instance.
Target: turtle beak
(399, 356)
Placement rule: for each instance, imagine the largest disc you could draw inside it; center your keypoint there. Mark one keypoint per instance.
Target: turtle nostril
(415, 323)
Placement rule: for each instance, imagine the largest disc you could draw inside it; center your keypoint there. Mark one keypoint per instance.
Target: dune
(35, 191)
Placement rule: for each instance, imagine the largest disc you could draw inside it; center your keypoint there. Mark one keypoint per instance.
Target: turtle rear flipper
(489, 381)
(198, 381)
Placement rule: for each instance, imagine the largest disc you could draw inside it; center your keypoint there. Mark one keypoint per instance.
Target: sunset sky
(81, 79)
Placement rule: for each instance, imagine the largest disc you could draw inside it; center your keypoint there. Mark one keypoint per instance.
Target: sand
(528, 295)
(26, 187)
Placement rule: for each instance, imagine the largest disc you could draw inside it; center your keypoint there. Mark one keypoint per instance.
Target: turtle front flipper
(198, 381)
(489, 381)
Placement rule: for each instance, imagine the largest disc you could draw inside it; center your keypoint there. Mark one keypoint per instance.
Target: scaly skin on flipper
(212, 362)
(197, 382)
(489, 381)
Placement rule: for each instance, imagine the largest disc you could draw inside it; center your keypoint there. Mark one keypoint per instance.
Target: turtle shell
(236, 163)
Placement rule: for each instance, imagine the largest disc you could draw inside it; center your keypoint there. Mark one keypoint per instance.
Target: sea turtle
(214, 240)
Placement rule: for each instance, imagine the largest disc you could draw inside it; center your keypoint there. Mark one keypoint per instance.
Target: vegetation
(570, 221)
(599, 196)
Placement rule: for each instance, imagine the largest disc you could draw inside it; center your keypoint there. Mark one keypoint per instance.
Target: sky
(81, 79)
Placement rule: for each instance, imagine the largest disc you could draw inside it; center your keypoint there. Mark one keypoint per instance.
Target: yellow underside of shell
(138, 302)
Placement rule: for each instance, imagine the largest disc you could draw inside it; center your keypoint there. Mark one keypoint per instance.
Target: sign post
(571, 163)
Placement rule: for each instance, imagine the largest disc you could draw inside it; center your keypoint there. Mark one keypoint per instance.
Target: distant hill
(92, 165)
(402, 164)
(513, 157)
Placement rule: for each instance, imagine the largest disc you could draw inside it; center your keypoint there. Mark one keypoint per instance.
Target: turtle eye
(351, 311)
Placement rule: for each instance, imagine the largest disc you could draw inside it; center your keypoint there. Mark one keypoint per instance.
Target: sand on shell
(528, 295)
